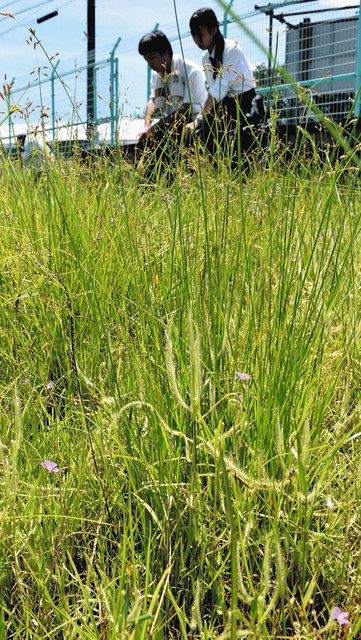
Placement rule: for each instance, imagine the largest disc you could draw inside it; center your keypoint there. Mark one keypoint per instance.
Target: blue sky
(128, 19)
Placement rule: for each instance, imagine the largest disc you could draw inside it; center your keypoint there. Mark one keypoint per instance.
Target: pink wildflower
(50, 466)
(340, 616)
(243, 376)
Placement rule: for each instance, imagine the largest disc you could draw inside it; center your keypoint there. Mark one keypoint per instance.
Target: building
(323, 54)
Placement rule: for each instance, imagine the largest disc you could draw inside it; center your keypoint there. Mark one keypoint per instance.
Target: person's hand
(191, 126)
(196, 124)
(144, 130)
(188, 130)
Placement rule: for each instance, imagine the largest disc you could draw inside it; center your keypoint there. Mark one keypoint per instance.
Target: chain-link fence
(314, 43)
(58, 102)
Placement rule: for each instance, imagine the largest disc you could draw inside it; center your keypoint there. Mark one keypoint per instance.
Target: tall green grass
(189, 502)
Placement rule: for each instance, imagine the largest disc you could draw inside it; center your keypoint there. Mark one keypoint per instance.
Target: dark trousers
(159, 148)
(230, 126)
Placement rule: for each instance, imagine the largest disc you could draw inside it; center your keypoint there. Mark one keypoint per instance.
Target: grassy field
(187, 356)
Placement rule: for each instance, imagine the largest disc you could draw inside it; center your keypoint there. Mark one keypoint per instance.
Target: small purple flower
(50, 384)
(26, 381)
(329, 503)
(243, 376)
(340, 616)
(50, 466)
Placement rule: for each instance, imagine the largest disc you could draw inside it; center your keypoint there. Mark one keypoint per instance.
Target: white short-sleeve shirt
(184, 85)
(35, 153)
(235, 75)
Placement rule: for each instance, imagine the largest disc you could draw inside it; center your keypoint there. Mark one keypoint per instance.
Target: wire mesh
(315, 42)
(57, 102)
(311, 42)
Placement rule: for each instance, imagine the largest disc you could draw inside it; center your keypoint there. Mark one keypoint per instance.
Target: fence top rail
(266, 10)
(305, 83)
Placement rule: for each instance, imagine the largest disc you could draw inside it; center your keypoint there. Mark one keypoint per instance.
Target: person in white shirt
(175, 81)
(232, 103)
(177, 94)
(34, 153)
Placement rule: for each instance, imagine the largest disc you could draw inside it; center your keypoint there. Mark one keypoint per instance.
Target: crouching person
(177, 95)
(232, 106)
(35, 155)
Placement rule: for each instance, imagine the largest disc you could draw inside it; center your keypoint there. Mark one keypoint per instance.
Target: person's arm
(207, 107)
(209, 104)
(150, 108)
(196, 92)
(149, 113)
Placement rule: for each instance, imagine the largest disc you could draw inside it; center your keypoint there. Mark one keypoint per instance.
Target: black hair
(206, 17)
(155, 42)
(203, 18)
(20, 142)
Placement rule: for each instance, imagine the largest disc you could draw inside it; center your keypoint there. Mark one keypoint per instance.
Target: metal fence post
(95, 104)
(52, 80)
(116, 93)
(358, 69)
(149, 71)
(113, 92)
(9, 118)
(225, 19)
(8, 102)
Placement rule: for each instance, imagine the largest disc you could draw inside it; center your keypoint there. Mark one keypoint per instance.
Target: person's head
(156, 50)
(204, 28)
(20, 141)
